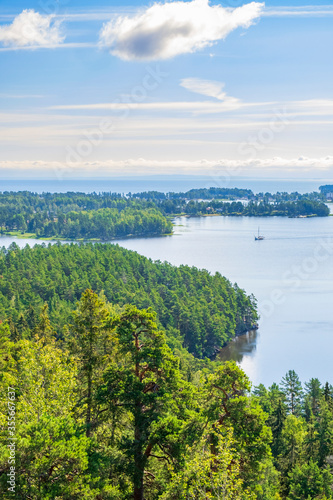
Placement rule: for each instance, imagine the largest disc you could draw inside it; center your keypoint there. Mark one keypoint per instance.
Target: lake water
(290, 273)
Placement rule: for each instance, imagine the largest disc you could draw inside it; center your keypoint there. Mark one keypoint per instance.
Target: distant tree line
(326, 190)
(252, 209)
(215, 193)
(105, 216)
(197, 194)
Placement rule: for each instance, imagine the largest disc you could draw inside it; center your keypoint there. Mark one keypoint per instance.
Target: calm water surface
(161, 183)
(290, 273)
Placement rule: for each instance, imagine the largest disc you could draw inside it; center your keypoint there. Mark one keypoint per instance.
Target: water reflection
(241, 346)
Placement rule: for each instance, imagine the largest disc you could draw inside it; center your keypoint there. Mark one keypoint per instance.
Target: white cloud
(31, 29)
(211, 89)
(166, 30)
(292, 109)
(78, 45)
(299, 11)
(204, 87)
(191, 107)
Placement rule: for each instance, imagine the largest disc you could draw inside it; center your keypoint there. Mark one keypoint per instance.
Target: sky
(103, 89)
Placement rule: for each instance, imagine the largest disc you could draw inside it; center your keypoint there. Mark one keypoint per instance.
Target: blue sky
(103, 89)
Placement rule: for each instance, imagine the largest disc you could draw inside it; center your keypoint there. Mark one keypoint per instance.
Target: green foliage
(51, 455)
(142, 378)
(293, 437)
(107, 224)
(77, 215)
(46, 380)
(313, 394)
(261, 208)
(7, 365)
(52, 460)
(292, 389)
(230, 406)
(309, 481)
(205, 311)
(324, 427)
(88, 341)
(209, 475)
(232, 194)
(116, 418)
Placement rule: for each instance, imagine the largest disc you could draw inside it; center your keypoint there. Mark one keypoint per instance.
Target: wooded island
(107, 216)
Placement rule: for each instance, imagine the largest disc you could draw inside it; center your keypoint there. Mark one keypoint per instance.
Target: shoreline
(32, 236)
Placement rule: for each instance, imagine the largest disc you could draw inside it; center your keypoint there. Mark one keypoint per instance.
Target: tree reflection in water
(239, 347)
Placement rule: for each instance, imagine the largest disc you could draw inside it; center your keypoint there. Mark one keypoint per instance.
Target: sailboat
(259, 237)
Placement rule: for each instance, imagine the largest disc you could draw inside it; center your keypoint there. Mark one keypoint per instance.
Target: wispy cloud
(211, 89)
(169, 29)
(311, 107)
(181, 106)
(299, 11)
(96, 15)
(82, 16)
(31, 29)
(73, 45)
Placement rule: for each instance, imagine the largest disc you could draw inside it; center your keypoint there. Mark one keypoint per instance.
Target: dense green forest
(306, 208)
(326, 190)
(106, 224)
(215, 193)
(77, 215)
(106, 216)
(198, 310)
(110, 412)
(198, 194)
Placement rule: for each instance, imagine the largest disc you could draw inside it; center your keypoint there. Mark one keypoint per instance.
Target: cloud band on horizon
(192, 167)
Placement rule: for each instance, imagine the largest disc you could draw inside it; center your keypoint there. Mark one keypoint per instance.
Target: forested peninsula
(80, 216)
(107, 216)
(199, 311)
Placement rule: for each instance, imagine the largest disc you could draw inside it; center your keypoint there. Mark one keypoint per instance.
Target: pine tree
(44, 329)
(86, 340)
(313, 393)
(328, 395)
(292, 388)
(7, 361)
(325, 432)
(311, 439)
(142, 380)
(292, 448)
(31, 318)
(228, 405)
(277, 421)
